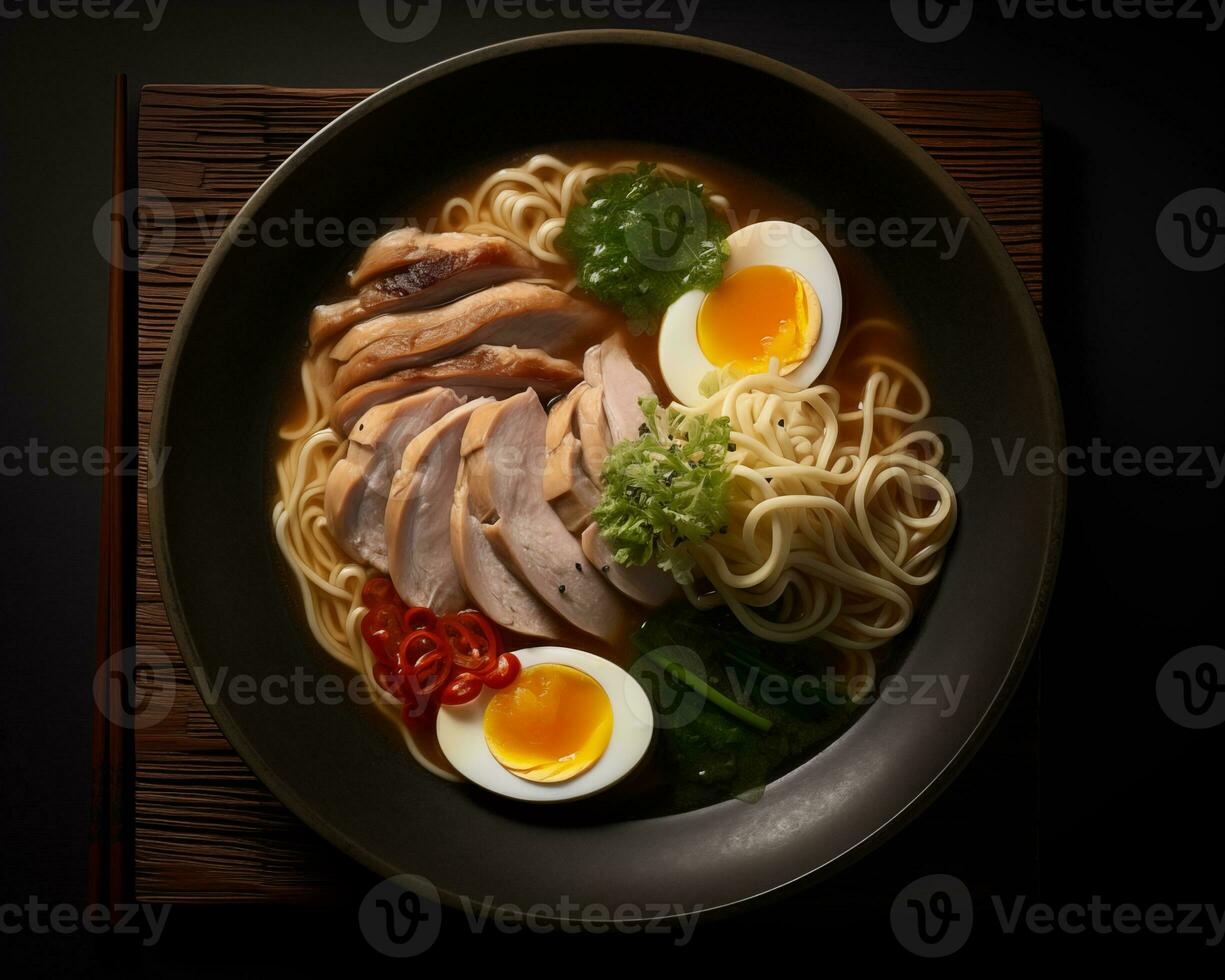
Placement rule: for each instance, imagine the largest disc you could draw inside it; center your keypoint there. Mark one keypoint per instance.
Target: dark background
(1085, 789)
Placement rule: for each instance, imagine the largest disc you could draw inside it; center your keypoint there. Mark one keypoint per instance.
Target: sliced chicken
(504, 456)
(355, 498)
(593, 432)
(591, 366)
(623, 384)
(486, 577)
(562, 416)
(570, 490)
(418, 516)
(483, 370)
(567, 486)
(645, 584)
(609, 398)
(440, 255)
(412, 269)
(323, 373)
(514, 314)
(330, 320)
(572, 485)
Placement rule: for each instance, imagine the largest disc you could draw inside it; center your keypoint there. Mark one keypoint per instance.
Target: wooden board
(206, 829)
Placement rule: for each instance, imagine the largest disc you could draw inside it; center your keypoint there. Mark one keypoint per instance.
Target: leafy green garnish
(642, 239)
(665, 489)
(710, 753)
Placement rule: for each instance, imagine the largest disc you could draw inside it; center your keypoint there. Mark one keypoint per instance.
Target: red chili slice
(383, 632)
(472, 649)
(478, 663)
(416, 645)
(431, 671)
(379, 591)
(482, 630)
(419, 618)
(424, 660)
(456, 633)
(463, 687)
(503, 672)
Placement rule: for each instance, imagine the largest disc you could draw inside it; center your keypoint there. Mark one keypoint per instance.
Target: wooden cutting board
(206, 829)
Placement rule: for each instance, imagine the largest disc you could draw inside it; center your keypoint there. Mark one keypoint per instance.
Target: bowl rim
(996, 255)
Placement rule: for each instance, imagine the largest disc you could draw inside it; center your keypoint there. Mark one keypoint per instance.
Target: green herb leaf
(666, 489)
(718, 754)
(643, 239)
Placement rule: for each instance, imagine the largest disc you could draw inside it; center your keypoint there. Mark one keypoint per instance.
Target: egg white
(781, 243)
(461, 733)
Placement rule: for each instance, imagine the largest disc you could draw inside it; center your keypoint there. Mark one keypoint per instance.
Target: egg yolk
(550, 725)
(758, 313)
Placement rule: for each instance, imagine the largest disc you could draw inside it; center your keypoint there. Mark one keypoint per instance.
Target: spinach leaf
(643, 239)
(709, 754)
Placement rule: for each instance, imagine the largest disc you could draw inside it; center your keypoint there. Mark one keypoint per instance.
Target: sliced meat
(330, 320)
(562, 417)
(504, 455)
(576, 437)
(323, 373)
(435, 256)
(418, 516)
(593, 432)
(515, 314)
(412, 269)
(355, 497)
(510, 299)
(483, 370)
(623, 384)
(487, 579)
(591, 366)
(646, 585)
(570, 490)
(567, 486)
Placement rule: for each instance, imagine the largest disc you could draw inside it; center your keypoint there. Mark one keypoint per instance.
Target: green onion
(737, 711)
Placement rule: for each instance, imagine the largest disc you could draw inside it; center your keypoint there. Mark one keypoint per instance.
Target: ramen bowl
(232, 604)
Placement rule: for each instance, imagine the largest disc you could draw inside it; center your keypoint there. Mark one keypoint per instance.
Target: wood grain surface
(206, 829)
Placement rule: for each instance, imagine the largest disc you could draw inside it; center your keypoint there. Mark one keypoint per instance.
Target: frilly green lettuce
(666, 489)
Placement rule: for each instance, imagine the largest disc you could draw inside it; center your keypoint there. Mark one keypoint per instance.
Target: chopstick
(110, 864)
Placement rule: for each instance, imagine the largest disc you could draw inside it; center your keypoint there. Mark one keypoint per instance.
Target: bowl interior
(244, 326)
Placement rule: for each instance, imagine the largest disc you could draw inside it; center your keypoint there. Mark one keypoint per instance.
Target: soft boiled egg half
(780, 298)
(569, 726)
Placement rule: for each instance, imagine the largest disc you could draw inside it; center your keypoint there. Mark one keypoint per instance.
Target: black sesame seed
(731, 447)
(780, 423)
(578, 566)
(604, 569)
(643, 430)
(561, 589)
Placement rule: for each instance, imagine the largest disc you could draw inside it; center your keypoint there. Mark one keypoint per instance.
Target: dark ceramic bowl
(226, 589)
